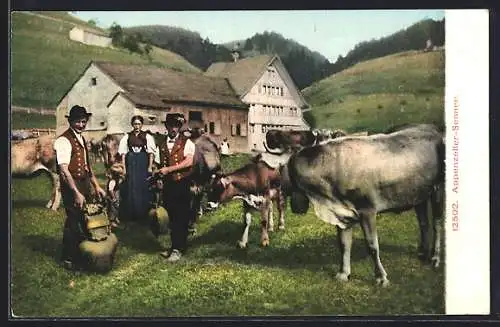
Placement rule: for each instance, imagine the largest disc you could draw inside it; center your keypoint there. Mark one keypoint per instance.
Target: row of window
(278, 110)
(271, 90)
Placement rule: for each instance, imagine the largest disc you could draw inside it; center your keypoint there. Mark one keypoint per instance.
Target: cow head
(278, 142)
(220, 190)
(109, 148)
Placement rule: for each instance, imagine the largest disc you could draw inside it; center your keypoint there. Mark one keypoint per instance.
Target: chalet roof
(160, 87)
(243, 73)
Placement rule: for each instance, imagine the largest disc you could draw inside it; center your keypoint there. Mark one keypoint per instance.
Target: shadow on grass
(138, 237)
(48, 246)
(310, 253)
(30, 203)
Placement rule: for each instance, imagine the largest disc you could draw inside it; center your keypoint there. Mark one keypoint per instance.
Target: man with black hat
(176, 161)
(78, 182)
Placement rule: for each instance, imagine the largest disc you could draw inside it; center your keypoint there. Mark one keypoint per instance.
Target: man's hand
(165, 170)
(100, 192)
(79, 200)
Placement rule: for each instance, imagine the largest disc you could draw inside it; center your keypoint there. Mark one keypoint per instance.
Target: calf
(258, 185)
(33, 155)
(351, 179)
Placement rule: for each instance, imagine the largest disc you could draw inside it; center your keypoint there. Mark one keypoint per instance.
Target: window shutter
(244, 129)
(217, 128)
(233, 129)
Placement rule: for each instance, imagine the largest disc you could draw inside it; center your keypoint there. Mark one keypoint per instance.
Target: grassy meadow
(377, 94)
(45, 62)
(294, 276)
(24, 120)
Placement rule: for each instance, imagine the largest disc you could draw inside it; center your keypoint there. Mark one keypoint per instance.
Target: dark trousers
(74, 227)
(177, 199)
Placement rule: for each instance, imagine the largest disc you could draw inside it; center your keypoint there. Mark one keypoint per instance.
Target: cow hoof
(242, 245)
(382, 281)
(342, 277)
(265, 243)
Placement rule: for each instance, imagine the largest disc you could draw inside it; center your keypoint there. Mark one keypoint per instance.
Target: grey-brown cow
(258, 185)
(351, 179)
(32, 155)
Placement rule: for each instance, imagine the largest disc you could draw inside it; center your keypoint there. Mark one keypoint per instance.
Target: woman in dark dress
(137, 152)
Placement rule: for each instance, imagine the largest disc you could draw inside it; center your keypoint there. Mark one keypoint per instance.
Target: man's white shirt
(62, 146)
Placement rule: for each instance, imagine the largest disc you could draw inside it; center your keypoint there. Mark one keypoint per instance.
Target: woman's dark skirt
(135, 192)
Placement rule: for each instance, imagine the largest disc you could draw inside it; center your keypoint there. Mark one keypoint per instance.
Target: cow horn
(280, 151)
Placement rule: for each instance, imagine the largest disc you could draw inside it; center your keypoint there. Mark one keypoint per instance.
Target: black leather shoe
(68, 264)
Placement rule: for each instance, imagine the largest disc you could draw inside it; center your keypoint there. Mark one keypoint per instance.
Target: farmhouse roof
(243, 73)
(158, 87)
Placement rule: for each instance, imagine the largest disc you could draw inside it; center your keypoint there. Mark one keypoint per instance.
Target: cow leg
(264, 219)
(423, 223)
(55, 200)
(368, 224)
(437, 219)
(247, 220)
(344, 237)
(55, 197)
(270, 226)
(281, 210)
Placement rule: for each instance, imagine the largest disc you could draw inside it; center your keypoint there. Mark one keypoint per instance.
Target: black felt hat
(174, 119)
(78, 112)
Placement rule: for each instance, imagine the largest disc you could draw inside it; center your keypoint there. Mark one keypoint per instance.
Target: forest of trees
(133, 42)
(200, 52)
(305, 66)
(411, 38)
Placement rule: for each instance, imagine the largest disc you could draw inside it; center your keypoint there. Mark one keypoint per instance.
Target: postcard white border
(467, 162)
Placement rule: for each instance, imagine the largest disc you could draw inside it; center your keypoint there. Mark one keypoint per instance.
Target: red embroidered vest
(77, 166)
(171, 158)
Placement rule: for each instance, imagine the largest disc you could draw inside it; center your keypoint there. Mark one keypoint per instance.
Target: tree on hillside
(116, 34)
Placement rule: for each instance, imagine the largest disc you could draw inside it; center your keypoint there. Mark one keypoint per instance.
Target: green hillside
(45, 62)
(374, 95)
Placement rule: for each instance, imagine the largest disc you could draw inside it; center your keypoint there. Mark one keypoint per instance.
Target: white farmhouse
(264, 84)
(90, 37)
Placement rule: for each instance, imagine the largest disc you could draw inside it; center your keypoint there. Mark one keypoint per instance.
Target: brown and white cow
(351, 179)
(32, 155)
(258, 185)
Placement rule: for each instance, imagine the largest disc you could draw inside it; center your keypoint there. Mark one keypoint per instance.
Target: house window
(238, 129)
(281, 91)
(264, 128)
(102, 123)
(252, 128)
(93, 81)
(206, 128)
(212, 127)
(151, 119)
(195, 116)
